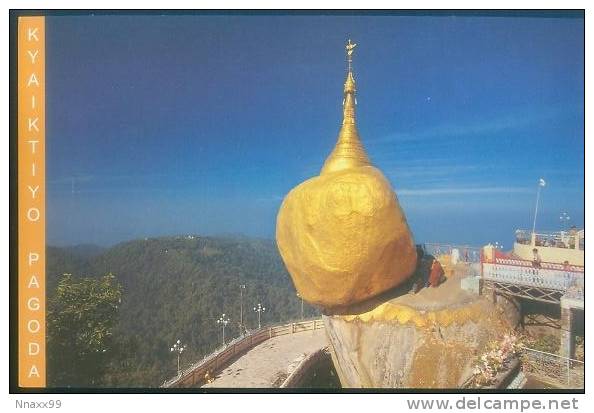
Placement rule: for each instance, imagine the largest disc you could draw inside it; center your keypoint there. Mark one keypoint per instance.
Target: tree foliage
(82, 314)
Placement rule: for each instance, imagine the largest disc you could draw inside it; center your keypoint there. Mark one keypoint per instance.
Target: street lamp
(564, 218)
(223, 321)
(178, 348)
(241, 327)
(259, 309)
(299, 295)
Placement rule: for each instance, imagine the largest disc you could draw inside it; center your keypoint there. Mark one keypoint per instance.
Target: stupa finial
(349, 151)
(350, 48)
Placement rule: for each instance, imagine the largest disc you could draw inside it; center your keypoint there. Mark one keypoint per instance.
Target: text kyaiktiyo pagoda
(343, 235)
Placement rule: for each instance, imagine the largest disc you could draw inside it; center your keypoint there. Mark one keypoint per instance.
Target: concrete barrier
(195, 375)
(296, 377)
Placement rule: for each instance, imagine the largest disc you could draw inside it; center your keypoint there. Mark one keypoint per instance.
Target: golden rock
(342, 235)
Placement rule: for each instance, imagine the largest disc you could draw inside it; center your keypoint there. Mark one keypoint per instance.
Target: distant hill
(72, 259)
(85, 250)
(176, 288)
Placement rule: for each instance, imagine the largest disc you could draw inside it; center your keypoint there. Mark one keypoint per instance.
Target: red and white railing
(551, 276)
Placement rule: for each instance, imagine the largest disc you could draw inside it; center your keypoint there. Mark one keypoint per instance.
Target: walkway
(268, 364)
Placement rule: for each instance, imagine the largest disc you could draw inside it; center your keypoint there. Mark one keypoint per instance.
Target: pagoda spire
(348, 152)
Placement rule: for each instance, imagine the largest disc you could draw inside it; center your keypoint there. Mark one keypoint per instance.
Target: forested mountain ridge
(176, 288)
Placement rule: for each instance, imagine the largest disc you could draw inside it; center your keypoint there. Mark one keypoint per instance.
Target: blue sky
(161, 125)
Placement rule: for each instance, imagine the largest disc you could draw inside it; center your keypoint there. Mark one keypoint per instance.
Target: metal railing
(194, 375)
(518, 262)
(557, 370)
(550, 279)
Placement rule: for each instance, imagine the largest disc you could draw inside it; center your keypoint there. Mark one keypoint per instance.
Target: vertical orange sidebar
(31, 204)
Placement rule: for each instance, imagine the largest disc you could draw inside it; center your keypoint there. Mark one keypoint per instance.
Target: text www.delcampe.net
(487, 403)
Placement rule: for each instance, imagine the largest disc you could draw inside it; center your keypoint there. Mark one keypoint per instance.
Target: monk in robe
(436, 275)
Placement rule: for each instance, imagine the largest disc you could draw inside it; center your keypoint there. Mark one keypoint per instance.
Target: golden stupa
(342, 234)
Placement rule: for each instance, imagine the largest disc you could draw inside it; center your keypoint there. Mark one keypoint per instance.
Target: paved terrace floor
(268, 364)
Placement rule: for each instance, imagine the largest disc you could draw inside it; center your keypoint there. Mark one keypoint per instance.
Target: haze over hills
(176, 288)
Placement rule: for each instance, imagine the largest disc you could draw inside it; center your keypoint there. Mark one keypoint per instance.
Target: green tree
(81, 316)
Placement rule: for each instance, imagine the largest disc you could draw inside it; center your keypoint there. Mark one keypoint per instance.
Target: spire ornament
(350, 48)
(349, 151)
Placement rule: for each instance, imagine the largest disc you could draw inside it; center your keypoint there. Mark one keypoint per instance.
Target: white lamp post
(259, 309)
(178, 348)
(241, 327)
(299, 295)
(223, 321)
(564, 218)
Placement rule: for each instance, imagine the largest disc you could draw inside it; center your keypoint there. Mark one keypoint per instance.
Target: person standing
(536, 261)
(436, 274)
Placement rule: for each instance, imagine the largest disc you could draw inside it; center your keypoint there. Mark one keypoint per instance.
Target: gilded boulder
(344, 238)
